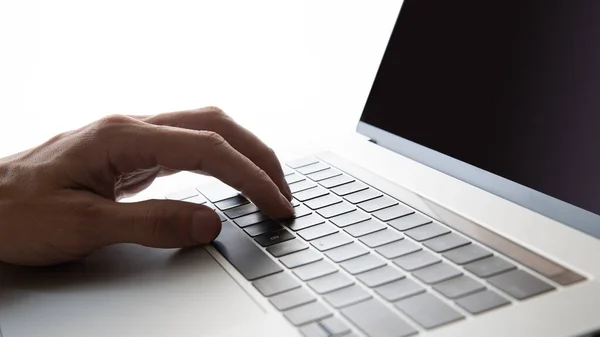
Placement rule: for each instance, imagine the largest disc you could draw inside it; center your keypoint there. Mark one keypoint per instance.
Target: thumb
(161, 223)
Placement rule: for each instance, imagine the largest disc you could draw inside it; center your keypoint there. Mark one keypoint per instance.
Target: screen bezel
(524, 196)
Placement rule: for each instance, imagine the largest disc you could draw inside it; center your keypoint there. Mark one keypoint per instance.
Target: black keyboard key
(377, 204)
(426, 232)
(302, 162)
(286, 247)
(482, 301)
(325, 174)
(300, 258)
(312, 168)
(466, 254)
(311, 193)
(365, 227)
(400, 289)
(380, 238)
(490, 266)
(335, 210)
(275, 284)
(350, 218)
(324, 201)
(336, 181)
(304, 222)
(239, 211)
(364, 195)
(446, 242)
(269, 239)
(428, 310)
(409, 221)
(416, 260)
(251, 219)
(376, 320)
(459, 287)
(317, 231)
(349, 188)
(520, 284)
(238, 200)
(262, 228)
(393, 212)
(243, 254)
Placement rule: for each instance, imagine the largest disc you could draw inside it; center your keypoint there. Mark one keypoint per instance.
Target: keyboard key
(482, 301)
(377, 204)
(347, 296)
(446, 242)
(300, 258)
(243, 254)
(311, 193)
(380, 276)
(301, 186)
(250, 219)
(520, 284)
(316, 167)
(325, 174)
(380, 238)
(269, 239)
(313, 330)
(287, 247)
(239, 211)
(349, 188)
(336, 181)
(286, 170)
(337, 209)
(292, 298)
(302, 162)
(350, 218)
(295, 203)
(489, 266)
(409, 221)
(364, 195)
(459, 287)
(238, 200)
(376, 320)
(293, 178)
(262, 228)
(304, 222)
(334, 326)
(183, 194)
(323, 201)
(275, 284)
(425, 232)
(417, 260)
(199, 199)
(346, 252)
(221, 216)
(428, 310)
(329, 283)
(399, 289)
(466, 254)
(300, 211)
(437, 273)
(362, 264)
(365, 227)
(317, 231)
(331, 241)
(217, 191)
(397, 249)
(307, 313)
(393, 212)
(314, 270)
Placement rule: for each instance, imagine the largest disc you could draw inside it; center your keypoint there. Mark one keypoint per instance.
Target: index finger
(140, 145)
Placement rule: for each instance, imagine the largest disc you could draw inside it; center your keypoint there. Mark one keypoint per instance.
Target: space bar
(243, 254)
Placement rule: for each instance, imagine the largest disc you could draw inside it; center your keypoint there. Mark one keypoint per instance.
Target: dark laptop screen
(512, 87)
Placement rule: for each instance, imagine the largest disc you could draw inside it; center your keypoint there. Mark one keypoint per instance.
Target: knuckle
(211, 138)
(112, 120)
(106, 127)
(216, 114)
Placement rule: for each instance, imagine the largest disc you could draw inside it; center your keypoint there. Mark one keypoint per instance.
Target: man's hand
(58, 201)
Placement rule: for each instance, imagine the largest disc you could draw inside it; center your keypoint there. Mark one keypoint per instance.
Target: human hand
(58, 201)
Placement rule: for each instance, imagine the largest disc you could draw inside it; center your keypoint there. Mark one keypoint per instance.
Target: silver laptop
(469, 206)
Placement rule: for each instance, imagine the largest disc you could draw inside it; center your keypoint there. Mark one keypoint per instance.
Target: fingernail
(206, 226)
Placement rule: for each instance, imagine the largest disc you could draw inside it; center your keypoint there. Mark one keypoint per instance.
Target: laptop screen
(511, 87)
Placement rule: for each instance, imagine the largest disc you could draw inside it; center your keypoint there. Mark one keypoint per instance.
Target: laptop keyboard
(355, 259)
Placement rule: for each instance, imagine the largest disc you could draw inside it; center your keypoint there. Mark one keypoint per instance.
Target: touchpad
(125, 290)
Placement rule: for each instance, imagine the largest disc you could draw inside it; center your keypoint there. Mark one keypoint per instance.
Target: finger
(138, 145)
(244, 141)
(159, 223)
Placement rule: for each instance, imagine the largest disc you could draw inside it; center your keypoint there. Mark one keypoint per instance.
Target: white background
(279, 67)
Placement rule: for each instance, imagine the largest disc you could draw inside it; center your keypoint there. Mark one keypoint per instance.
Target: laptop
(468, 206)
